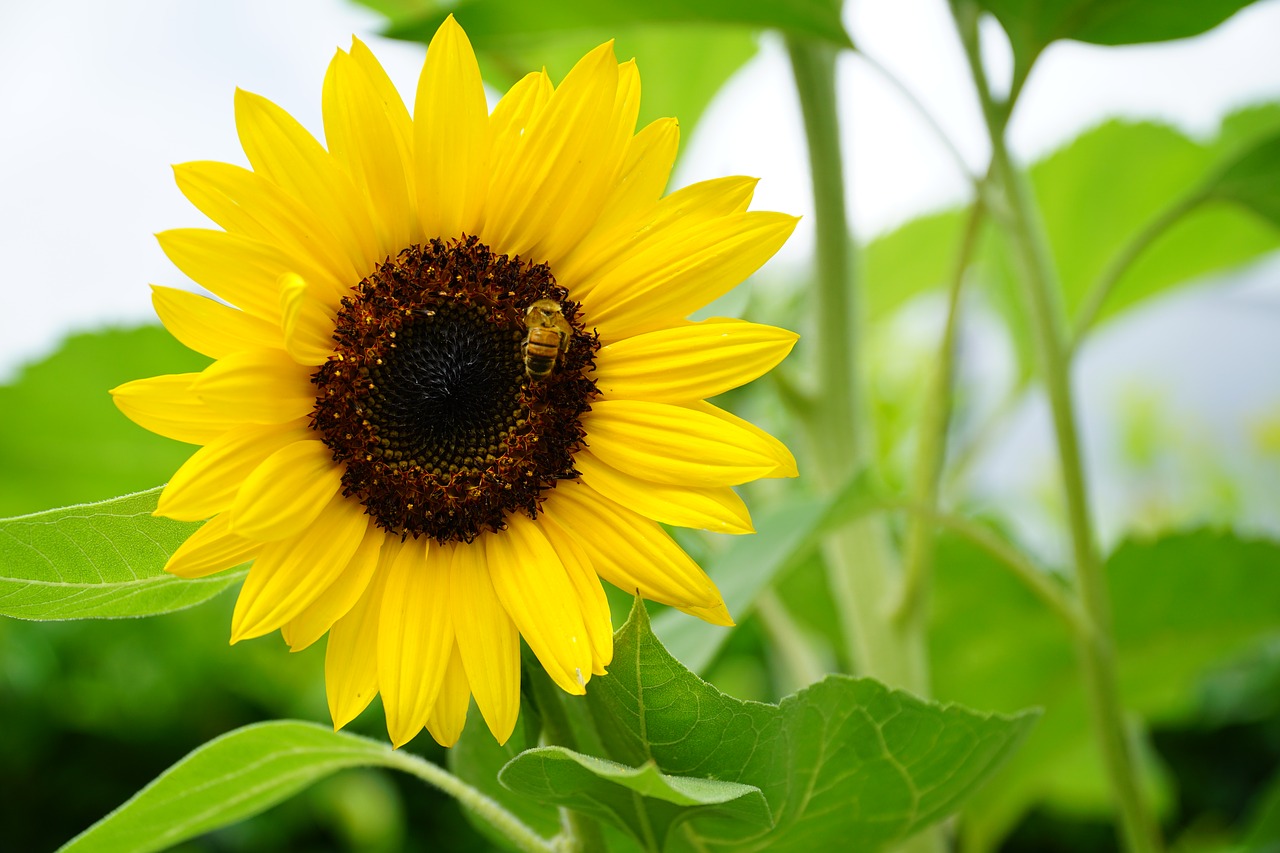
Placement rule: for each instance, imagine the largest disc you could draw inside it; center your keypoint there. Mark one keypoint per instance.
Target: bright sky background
(97, 99)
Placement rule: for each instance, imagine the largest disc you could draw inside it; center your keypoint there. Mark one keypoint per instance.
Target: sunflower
(453, 384)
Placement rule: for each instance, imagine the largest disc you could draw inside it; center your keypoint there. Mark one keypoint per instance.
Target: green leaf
(1095, 194)
(641, 800)
(681, 67)
(1182, 605)
(492, 23)
(97, 561)
(845, 763)
(63, 441)
(226, 780)
(1252, 179)
(1034, 26)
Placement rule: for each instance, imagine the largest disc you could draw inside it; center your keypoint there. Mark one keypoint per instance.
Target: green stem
(814, 68)
(1097, 650)
(861, 563)
(801, 663)
(1061, 601)
(521, 837)
(1120, 264)
(931, 446)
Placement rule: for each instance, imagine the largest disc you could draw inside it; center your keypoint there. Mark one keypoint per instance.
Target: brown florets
(426, 400)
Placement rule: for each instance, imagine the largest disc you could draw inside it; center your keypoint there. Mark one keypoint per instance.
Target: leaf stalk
(1018, 215)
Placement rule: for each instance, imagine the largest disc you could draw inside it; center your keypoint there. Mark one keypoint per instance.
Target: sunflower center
(452, 402)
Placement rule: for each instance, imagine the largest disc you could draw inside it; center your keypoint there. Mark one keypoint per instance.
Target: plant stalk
(861, 562)
(931, 447)
(1019, 216)
(512, 828)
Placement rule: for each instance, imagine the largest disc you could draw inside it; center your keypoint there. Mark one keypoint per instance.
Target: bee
(547, 338)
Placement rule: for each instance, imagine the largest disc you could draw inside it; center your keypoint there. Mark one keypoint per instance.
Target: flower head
(453, 384)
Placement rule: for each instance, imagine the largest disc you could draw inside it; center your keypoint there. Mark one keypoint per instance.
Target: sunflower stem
(835, 419)
(800, 663)
(931, 445)
(1017, 213)
(511, 827)
(861, 561)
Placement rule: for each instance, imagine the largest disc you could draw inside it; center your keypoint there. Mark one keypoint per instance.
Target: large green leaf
(1252, 178)
(1033, 26)
(495, 22)
(62, 440)
(845, 763)
(1182, 604)
(1095, 195)
(641, 800)
(228, 779)
(681, 67)
(97, 561)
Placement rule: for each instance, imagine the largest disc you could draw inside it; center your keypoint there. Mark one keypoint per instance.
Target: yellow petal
(252, 208)
(672, 277)
(287, 492)
(784, 461)
(282, 151)
(415, 636)
(622, 124)
(534, 589)
(306, 322)
(644, 175)
(487, 641)
(207, 483)
(167, 406)
(362, 137)
(591, 597)
(211, 549)
(547, 194)
(336, 601)
(261, 386)
(628, 550)
(675, 445)
(386, 93)
(682, 364)
(234, 268)
(511, 117)
(451, 137)
(718, 509)
(351, 656)
(210, 327)
(449, 714)
(674, 218)
(717, 614)
(292, 573)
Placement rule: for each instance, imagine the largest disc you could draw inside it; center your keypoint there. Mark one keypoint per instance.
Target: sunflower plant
(466, 416)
